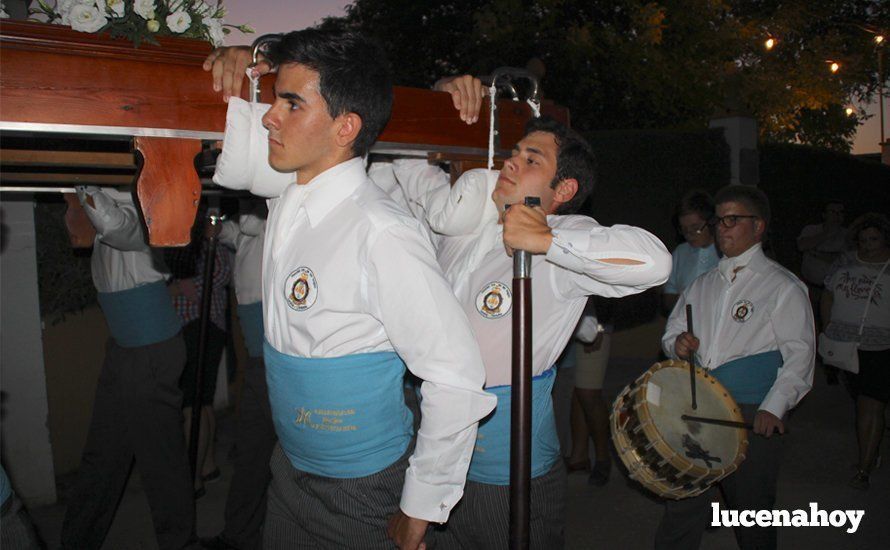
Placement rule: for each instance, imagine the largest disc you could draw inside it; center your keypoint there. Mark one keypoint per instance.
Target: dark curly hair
(354, 76)
(574, 160)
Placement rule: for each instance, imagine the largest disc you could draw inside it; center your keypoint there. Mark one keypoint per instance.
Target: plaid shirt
(188, 310)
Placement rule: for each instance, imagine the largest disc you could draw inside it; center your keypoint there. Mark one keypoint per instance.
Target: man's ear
(759, 227)
(564, 191)
(350, 124)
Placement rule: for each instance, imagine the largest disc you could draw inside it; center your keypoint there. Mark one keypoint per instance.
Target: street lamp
(770, 43)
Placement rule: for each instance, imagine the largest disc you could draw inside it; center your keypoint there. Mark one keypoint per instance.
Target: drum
(672, 457)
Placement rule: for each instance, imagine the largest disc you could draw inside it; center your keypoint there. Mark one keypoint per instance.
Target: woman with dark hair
(856, 308)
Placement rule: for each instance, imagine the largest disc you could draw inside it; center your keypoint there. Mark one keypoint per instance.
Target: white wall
(24, 433)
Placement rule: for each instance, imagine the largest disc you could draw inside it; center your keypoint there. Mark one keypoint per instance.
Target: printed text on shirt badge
(494, 300)
(301, 289)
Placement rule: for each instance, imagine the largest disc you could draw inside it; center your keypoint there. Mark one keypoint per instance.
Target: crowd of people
(358, 276)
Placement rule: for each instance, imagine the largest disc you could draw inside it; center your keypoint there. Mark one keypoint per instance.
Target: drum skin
(671, 457)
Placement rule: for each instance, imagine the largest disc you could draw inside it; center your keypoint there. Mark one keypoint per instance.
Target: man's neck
(305, 176)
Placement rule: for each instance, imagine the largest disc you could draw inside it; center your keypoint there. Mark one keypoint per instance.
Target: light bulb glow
(770, 42)
(849, 111)
(835, 67)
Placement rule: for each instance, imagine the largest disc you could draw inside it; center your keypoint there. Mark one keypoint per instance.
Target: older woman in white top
(847, 290)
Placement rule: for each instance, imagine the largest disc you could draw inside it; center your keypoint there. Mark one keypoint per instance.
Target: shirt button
(443, 506)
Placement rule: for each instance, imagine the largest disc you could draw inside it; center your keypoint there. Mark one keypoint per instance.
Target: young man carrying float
(351, 289)
(573, 257)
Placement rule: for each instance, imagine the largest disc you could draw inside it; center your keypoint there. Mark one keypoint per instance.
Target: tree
(646, 64)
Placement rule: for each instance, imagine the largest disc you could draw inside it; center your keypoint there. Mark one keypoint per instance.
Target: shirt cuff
(567, 246)
(775, 403)
(434, 502)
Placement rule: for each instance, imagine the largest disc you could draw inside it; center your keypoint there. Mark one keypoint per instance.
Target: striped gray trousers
(310, 511)
(481, 520)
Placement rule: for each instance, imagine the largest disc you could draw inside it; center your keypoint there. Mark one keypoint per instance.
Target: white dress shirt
(748, 305)
(121, 257)
(478, 266)
(246, 237)
(371, 284)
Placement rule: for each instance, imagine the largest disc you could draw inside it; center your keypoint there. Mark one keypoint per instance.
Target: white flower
(114, 6)
(86, 18)
(145, 8)
(63, 8)
(215, 31)
(152, 25)
(179, 21)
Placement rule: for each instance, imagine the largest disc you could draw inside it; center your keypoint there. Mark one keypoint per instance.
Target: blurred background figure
(852, 279)
(698, 254)
(589, 414)
(820, 245)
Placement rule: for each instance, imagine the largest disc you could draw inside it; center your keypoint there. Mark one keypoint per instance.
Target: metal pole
(206, 296)
(881, 89)
(521, 398)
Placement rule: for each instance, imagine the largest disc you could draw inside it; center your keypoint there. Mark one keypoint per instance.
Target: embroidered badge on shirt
(742, 310)
(300, 289)
(494, 300)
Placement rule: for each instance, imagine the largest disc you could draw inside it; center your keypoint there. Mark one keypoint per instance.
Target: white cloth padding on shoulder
(244, 161)
(464, 207)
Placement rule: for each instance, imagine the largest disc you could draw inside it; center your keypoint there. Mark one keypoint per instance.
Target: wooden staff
(206, 296)
(691, 356)
(521, 398)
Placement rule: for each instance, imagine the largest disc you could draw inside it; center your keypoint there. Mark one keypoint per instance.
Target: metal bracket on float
(261, 43)
(504, 79)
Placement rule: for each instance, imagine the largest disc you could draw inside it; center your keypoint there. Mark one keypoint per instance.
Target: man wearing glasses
(697, 255)
(753, 332)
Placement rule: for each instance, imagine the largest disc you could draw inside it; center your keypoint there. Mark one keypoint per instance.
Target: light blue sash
(750, 378)
(251, 318)
(491, 459)
(342, 417)
(141, 315)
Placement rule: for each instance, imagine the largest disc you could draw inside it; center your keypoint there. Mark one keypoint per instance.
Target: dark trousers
(310, 511)
(16, 528)
(751, 487)
(254, 440)
(136, 415)
(481, 520)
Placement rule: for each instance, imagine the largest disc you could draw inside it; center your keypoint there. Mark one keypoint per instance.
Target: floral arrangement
(139, 20)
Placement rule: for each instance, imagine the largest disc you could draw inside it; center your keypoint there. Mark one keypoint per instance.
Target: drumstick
(691, 356)
(717, 421)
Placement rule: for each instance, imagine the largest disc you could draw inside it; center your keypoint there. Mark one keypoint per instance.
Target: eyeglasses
(729, 221)
(693, 230)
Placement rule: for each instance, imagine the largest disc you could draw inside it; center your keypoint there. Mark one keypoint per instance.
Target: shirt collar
(328, 189)
(751, 258)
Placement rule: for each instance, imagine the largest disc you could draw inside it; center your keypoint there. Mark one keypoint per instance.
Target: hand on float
(228, 67)
(765, 423)
(525, 228)
(685, 345)
(407, 532)
(466, 94)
